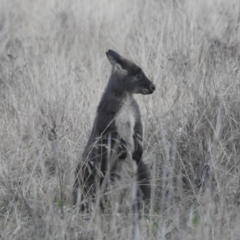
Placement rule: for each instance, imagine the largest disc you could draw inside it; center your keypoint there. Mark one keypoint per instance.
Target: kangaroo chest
(125, 122)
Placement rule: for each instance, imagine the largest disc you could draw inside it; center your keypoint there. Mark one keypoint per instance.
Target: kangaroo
(114, 149)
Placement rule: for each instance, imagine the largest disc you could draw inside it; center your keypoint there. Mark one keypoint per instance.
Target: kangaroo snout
(149, 87)
(152, 88)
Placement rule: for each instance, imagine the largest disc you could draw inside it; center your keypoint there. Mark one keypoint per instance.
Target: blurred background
(53, 70)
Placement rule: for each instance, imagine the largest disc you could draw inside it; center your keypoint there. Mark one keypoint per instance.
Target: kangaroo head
(130, 77)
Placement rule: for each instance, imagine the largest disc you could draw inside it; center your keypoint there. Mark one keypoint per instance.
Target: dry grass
(53, 70)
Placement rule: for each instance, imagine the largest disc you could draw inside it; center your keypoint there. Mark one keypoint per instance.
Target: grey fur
(113, 155)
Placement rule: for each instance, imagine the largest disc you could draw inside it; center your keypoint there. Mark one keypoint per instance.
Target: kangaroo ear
(118, 63)
(114, 58)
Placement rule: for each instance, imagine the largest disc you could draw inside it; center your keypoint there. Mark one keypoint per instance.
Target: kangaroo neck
(116, 87)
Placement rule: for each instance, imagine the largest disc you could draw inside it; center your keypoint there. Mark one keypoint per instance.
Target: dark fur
(98, 167)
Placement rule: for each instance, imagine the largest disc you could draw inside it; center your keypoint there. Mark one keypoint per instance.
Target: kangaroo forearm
(138, 150)
(143, 179)
(137, 155)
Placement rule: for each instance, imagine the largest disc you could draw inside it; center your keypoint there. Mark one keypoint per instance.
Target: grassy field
(53, 70)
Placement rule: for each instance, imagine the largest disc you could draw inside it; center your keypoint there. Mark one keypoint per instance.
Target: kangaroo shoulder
(109, 106)
(106, 113)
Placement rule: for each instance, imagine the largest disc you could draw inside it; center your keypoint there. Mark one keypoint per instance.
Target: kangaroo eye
(138, 75)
